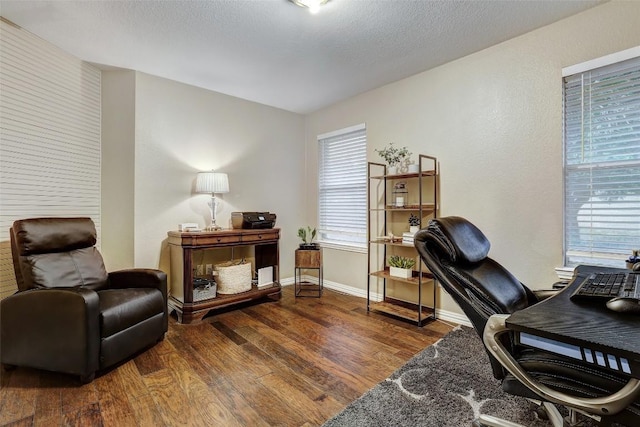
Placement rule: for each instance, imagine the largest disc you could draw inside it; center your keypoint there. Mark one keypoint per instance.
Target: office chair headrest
(44, 235)
(462, 241)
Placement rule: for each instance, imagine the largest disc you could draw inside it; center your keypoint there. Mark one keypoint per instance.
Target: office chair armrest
(138, 278)
(605, 405)
(542, 294)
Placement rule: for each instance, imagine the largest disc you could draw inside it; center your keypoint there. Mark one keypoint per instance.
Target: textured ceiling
(276, 53)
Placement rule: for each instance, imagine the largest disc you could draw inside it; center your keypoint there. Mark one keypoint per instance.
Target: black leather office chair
(69, 315)
(455, 251)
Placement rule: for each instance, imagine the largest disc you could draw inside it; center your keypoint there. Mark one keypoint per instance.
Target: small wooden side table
(308, 259)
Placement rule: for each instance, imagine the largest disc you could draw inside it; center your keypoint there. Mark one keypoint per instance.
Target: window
(50, 133)
(602, 164)
(343, 187)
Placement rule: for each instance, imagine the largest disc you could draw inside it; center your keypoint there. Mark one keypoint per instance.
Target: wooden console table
(191, 253)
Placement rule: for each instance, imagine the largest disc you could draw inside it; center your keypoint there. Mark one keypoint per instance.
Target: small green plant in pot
(400, 266)
(307, 235)
(414, 223)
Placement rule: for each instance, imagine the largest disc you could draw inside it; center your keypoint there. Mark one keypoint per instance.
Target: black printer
(252, 220)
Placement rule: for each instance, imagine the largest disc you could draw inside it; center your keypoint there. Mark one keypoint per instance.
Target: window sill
(343, 247)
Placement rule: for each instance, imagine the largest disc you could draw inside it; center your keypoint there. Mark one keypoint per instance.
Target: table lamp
(212, 183)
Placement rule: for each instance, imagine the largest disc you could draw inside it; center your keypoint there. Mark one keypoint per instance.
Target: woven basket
(233, 277)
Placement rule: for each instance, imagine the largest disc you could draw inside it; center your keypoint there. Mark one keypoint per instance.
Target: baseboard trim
(444, 315)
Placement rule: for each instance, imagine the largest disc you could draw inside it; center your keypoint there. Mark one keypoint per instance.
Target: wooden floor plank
(381, 329)
(115, 407)
(298, 401)
(88, 415)
(131, 380)
(48, 409)
(352, 355)
(243, 409)
(18, 396)
(326, 373)
(223, 356)
(146, 412)
(76, 399)
(171, 400)
(292, 362)
(208, 405)
(351, 352)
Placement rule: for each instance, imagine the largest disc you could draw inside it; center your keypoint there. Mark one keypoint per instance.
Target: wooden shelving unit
(403, 310)
(385, 218)
(418, 277)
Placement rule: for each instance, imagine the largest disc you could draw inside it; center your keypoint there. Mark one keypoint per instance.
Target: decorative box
(204, 292)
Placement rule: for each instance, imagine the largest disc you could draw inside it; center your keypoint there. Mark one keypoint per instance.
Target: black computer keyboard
(609, 285)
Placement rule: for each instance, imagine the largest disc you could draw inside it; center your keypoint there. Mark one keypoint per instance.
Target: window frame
(610, 257)
(358, 247)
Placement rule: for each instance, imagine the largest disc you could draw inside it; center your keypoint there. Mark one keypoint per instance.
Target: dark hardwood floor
(294, 362)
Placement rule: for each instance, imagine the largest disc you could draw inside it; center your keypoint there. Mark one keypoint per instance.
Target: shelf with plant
(395, 157)
(400, 266)
(413, 207)
(405, 175)
(400, 216)
(388, 242)
(413, 280)
(402, 309)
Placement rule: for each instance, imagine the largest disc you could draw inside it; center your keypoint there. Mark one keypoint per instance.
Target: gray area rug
(448, 384)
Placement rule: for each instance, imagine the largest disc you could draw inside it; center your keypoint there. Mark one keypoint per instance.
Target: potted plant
(400, 266)
(394, 156)
(414, 223)
(307, 235)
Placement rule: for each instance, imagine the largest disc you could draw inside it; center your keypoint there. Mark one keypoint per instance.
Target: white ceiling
(276, 53)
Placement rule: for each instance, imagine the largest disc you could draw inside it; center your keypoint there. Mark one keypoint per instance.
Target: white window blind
(602, 164)
(50, 136)
(343, 187)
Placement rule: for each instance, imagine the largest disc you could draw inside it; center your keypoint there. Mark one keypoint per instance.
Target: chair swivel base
(546, 410)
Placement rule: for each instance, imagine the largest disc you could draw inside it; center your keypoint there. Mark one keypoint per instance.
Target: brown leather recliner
(69, 315)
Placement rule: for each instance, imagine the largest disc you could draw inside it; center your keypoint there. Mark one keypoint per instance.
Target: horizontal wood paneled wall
(49, 136)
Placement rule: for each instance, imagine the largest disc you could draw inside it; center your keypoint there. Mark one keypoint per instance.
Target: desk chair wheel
(542, 413)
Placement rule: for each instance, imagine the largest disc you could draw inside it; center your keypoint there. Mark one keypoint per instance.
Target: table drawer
(267, 235)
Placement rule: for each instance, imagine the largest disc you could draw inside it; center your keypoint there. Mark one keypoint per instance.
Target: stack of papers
(407, 237)
(265, 277)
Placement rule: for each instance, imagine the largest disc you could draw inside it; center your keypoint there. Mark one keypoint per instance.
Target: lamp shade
(212, 182)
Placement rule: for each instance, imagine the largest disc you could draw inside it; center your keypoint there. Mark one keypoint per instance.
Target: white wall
(181, 130)
(494, 120)
(118, 168)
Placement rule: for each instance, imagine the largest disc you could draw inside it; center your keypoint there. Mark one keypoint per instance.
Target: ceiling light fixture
(313, 5)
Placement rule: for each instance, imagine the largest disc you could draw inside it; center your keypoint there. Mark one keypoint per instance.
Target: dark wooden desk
(586, 324)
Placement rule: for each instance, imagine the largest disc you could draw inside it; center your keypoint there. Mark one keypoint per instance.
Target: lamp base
(213, 227)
